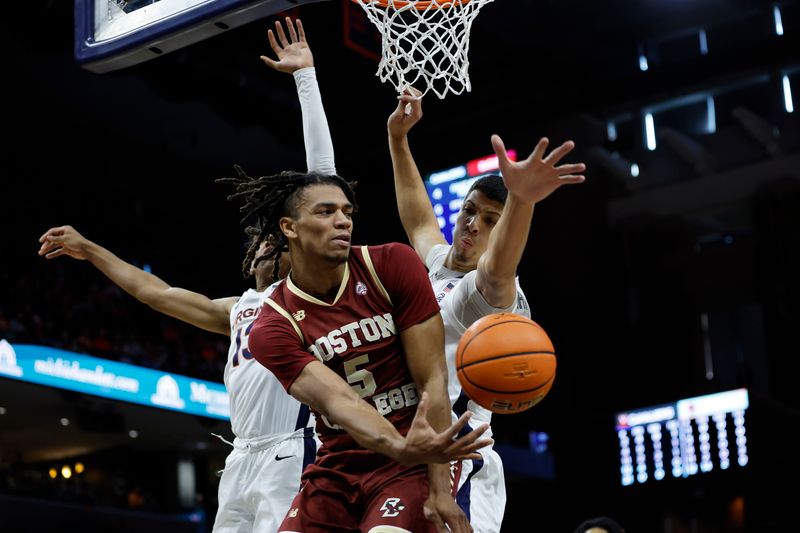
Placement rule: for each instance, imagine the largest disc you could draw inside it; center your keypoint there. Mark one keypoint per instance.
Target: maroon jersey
(385, 290)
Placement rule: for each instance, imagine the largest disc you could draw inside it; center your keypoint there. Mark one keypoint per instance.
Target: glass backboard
(113, 34)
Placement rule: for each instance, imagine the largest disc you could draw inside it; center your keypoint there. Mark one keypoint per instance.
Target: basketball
(506, 363)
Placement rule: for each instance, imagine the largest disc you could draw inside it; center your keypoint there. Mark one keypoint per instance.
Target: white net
(424, 44)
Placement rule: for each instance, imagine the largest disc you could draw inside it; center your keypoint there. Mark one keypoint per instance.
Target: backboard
(114, 34)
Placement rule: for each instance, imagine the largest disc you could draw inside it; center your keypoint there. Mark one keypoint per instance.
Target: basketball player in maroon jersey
(357, 335)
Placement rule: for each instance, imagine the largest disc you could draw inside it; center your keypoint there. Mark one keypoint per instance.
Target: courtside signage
(51, 367)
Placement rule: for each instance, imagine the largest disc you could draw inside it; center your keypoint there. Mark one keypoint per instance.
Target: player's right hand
(293, 53)
(423, 444)
(407, 113)
(63, 240)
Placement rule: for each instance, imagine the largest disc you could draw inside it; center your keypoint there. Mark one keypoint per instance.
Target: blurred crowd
(80, 310)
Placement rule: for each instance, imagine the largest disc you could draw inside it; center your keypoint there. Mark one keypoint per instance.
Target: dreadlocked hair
(254, 240)
(268, 198)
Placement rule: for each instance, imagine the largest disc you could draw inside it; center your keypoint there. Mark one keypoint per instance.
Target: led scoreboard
(682, 439)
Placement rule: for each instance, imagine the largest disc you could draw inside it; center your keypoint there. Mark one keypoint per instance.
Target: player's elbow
(156, 299)
(338, 400)
(498, 290)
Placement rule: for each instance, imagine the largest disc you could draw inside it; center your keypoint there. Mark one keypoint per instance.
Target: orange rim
(419, 6)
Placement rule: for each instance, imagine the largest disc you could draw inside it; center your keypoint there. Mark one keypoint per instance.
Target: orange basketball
(506, 362)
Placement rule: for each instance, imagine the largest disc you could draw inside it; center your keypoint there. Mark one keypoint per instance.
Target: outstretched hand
(407, 113)
(424, 445)
(63, 240)
(535, 178)
(293, 53)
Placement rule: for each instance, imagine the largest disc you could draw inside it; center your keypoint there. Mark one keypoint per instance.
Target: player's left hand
(446, 515)
(535, 178)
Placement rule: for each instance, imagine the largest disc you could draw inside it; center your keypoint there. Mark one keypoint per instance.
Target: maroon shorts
(332, 500)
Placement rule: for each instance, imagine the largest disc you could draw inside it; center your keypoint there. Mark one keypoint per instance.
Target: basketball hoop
(424, 44)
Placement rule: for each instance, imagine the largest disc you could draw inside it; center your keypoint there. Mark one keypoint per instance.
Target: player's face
(323, 224)
(476, 220)
(261, 268)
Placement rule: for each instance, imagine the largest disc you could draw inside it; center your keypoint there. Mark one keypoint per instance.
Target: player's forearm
(424, 347)
(413, 204)
(439, 417)
(140, 284)
(365, 425)
(434, 382)
(327, 393)
(497, 268)
(316, 132)
(439, 478)
(187, 306)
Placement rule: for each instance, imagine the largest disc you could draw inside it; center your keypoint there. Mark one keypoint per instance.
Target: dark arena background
(670, 276)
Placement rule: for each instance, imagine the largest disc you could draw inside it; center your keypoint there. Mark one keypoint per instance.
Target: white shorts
(482, 491)
(258, 485)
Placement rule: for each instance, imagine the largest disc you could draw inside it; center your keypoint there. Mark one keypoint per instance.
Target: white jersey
(481, 491)
(259, 404)
(462, 304)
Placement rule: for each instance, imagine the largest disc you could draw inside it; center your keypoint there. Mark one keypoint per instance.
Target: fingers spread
(469, 443)
(292, 32)
(273, 43)
(281, 34)
(571, 169)
(541, 146)
(499, 147)
(453, 430)
(556, 155)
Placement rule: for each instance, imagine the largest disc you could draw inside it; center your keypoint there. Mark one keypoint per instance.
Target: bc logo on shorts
(392, 507)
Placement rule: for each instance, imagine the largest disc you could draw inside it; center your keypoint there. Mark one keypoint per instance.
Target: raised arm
(295, 57)
(326, 392)
(528, 182)
(416, 212)
(188, 306)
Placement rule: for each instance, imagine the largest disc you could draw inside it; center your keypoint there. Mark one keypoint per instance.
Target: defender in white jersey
(475, 276)
(274, 433)
(481, 483)
(275, 437)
